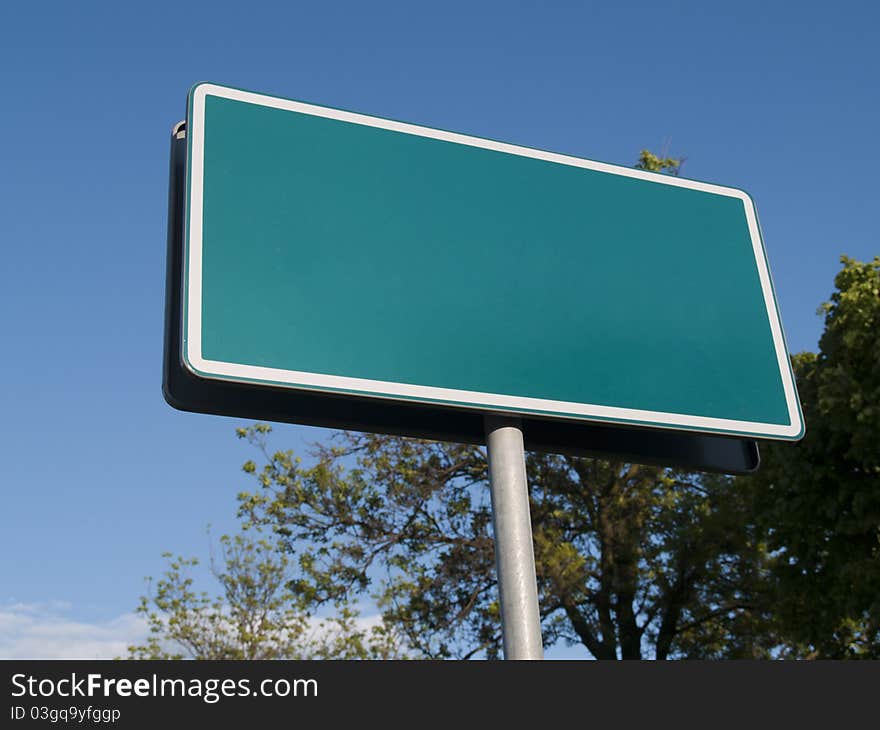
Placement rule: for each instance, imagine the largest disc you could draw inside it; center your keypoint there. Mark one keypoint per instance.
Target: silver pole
(514, 552)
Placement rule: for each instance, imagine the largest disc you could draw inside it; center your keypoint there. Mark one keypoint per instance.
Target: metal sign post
(514, 552)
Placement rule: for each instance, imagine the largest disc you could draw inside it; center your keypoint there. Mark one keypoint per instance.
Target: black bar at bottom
(170, 694)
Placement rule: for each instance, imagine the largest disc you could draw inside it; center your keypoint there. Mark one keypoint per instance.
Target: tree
(631, 560)
(256, 616)
(818, 501)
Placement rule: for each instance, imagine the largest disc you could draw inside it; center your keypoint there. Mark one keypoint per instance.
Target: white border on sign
(449, 396)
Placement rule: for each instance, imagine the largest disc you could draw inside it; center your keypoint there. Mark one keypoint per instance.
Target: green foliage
(819, 500)
(256, 615)
(652, 163)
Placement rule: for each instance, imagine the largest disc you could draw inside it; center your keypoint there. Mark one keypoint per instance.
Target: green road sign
(341, 253)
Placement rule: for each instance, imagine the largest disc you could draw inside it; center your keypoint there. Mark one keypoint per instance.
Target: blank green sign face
(339, 252)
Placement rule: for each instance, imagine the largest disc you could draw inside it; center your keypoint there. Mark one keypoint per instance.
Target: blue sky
(99, 474)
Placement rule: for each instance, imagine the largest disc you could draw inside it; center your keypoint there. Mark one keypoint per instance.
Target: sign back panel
(339, 253)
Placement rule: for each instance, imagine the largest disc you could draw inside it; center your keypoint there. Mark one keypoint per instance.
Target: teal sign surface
(333, 251)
